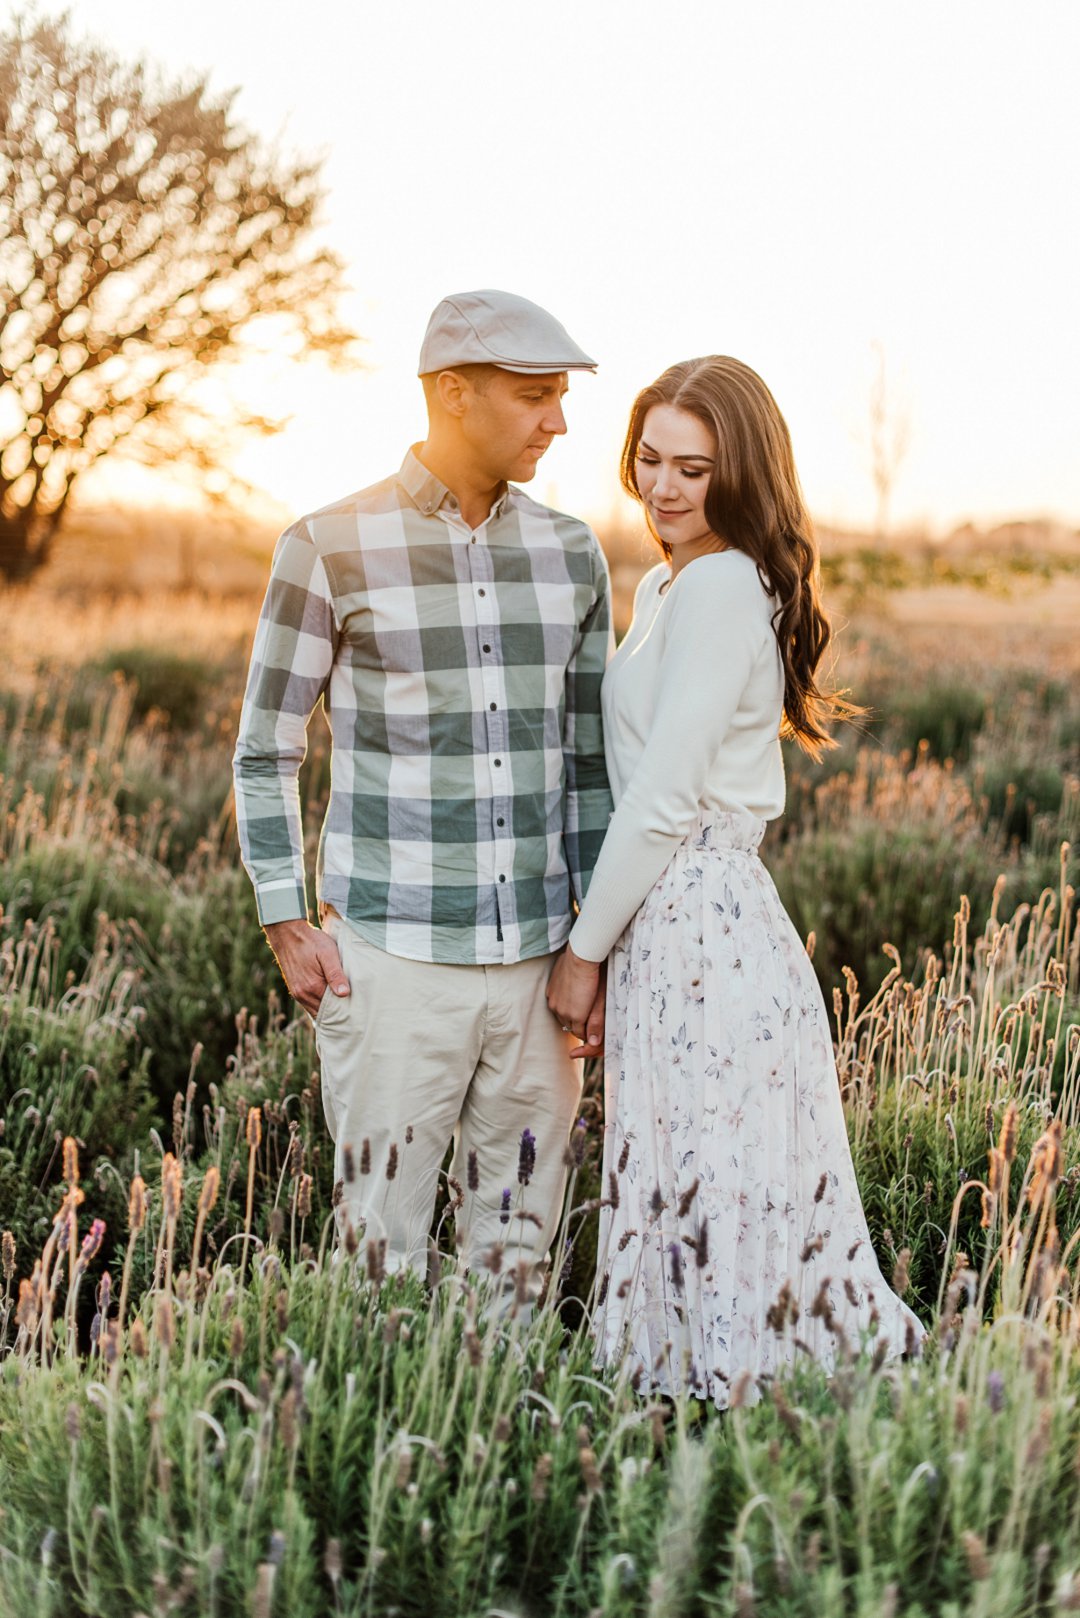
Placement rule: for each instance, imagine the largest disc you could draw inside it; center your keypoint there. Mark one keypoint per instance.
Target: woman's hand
(575, 997)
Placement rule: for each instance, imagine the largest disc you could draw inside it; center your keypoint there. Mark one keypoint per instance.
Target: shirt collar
(428, 493)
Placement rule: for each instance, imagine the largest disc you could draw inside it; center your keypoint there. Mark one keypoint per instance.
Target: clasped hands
(575, 995)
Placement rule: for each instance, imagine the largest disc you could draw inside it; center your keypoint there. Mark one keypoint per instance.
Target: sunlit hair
(754, 504)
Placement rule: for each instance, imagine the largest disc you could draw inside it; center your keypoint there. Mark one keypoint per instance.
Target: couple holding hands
(537, 850)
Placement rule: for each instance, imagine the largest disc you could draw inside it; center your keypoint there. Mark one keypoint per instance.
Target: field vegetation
(204, 1411)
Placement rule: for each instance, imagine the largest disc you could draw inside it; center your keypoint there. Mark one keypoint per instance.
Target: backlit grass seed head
(624, 1157)
(686, 1201)
(472, 1171)
(303, 1196)
(165, 1322)
(348, 1163)
(1046, 1163)
(236, 1338)
(8, 1252)
(541, 1477)
(91, 1242)
(139, 1344)
(288, 1425)
(26, 1310)
(590, 1472)
(392, 1161)
(209, 1193)
(613, 1189)
(784, 1309)
(376, 1261)
(365, 1156)
(253, 1129)
(296, 1151)
(172, 1180)
(901, 1276)
(71, 1160)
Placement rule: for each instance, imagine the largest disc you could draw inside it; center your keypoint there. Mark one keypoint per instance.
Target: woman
(732, 1224)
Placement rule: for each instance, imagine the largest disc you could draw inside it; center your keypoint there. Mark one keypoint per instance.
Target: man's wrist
(291, 928)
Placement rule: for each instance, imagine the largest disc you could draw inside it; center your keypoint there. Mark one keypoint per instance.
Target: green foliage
(301, 1440)
(182, 688)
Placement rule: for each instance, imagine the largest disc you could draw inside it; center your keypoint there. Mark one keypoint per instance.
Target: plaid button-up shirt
(461, 675)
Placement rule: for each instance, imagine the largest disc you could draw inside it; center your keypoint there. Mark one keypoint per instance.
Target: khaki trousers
(420, 1052)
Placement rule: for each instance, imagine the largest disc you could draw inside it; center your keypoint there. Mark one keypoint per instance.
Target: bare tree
(889, 440)
(144, 239)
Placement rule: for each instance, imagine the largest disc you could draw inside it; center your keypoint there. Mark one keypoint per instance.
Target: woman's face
(675, 456)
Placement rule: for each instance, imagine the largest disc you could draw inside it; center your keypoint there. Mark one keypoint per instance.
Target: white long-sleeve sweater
(692, 702)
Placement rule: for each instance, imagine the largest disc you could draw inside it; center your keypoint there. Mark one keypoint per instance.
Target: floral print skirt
(732, 1237)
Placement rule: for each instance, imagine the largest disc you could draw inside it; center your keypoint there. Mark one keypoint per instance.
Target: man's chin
(525, 470)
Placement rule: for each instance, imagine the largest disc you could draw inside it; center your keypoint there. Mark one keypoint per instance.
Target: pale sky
(786, 182)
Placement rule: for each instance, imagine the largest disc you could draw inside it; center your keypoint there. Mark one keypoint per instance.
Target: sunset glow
(787, 184)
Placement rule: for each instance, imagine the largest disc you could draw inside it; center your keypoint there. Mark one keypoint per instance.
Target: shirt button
(472, 539)
(481, 592)
(493, 705)
(487, 648)
(500, 821)
(502, 879)
(497, 762)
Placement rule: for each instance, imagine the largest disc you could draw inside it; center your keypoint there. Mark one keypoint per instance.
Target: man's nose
(554, 420)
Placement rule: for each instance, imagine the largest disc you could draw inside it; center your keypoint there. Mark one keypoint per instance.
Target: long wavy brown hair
(754, 504)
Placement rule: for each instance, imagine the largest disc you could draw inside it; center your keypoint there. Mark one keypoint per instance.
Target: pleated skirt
(732, 1236)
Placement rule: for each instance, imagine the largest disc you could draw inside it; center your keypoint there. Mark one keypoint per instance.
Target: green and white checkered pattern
(461, 674)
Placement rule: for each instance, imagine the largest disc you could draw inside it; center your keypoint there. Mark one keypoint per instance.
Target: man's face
(512, 420)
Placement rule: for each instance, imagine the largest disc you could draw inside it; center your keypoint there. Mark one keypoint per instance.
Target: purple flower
(504, 1209)
(995, 1391)
(526, 1157)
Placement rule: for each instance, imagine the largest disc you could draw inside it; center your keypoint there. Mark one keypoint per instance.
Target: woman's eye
(688, 474)
(647, 460)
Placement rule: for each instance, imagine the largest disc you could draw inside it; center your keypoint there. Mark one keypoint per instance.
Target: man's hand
(575, 996)
(309, 961)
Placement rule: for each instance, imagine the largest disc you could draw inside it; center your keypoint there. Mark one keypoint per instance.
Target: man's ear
(452, 390)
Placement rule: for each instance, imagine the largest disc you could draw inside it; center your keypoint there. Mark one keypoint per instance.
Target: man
(458, 632)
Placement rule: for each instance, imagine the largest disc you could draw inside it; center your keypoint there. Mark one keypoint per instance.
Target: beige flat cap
(498, 328)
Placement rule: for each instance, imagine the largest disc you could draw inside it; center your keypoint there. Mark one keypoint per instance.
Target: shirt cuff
(281, 901)
(585, 944)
